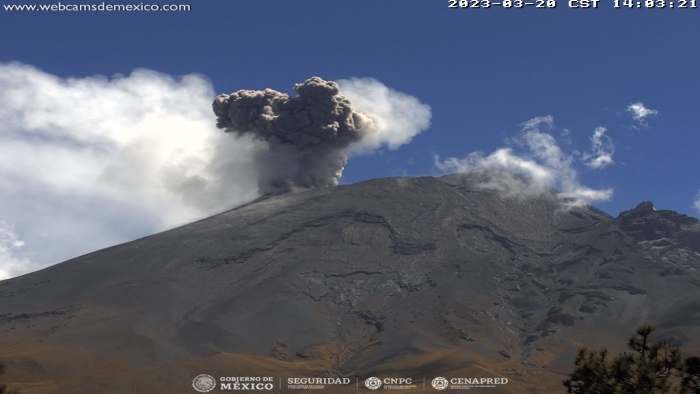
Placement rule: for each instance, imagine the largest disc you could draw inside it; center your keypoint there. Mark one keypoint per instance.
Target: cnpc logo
(374, 383)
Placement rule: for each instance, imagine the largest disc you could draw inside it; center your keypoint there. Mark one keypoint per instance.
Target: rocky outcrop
(644, 223)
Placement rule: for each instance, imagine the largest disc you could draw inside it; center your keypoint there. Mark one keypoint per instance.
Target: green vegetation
(650, 367)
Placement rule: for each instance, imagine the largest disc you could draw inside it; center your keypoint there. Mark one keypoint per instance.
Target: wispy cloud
(696, 203)
(543, 163)
(640, 112)
(602, 150)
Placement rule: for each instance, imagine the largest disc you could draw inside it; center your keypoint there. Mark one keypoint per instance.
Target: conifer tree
(648, 367)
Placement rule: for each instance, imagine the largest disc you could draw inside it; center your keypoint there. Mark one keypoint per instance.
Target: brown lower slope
(75, 370)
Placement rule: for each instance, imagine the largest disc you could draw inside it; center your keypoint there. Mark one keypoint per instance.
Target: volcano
(392, 278)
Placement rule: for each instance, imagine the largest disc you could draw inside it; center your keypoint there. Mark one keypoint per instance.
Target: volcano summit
(397, 277)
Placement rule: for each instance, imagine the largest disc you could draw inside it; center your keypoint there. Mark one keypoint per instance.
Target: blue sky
(483, 72)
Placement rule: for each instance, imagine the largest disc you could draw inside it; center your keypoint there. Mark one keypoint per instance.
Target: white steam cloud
(602, 150)
(640, 112)
(398, 116)
(696, 203)
(544, 166)
(9, 244)
(86, 163)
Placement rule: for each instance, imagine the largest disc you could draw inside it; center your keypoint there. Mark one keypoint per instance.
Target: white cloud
(10, 264)
(602, 150)
(91, 162)
(543, 163)
(86, 163)
(399, 117)
(640, 112)
(696, 203)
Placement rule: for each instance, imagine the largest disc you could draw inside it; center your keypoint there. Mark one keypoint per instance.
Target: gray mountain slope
(404, 276)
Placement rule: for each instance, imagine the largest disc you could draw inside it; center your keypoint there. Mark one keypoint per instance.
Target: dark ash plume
(306, 135)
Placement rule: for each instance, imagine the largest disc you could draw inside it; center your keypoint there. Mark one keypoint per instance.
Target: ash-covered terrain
(405, 277)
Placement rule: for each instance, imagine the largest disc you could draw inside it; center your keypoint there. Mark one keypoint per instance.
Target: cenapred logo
(373, 383)
(440, 383)
(204, 383)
